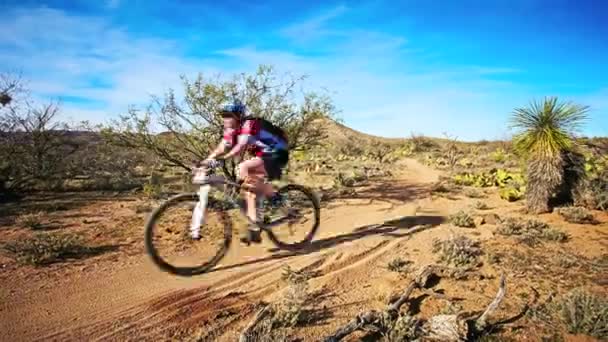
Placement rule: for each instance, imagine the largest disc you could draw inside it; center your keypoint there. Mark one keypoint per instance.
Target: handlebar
(209, 165)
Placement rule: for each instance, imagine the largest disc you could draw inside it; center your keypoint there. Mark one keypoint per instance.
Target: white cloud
(372, 75)
(314, 27)
(75, 50)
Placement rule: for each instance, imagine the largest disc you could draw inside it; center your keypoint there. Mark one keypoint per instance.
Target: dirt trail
(131, 299)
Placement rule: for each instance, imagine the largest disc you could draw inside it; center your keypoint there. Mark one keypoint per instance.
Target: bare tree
(35, 146)
(190, 129)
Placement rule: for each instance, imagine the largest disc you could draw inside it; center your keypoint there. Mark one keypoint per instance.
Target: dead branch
(481, 323)
(248, 332)
(364, 319)
(438, 328)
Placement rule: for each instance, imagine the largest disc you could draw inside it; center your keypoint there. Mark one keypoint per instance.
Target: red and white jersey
(260, 141)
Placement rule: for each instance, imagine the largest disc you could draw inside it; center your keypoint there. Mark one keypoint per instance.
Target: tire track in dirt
(140, 302)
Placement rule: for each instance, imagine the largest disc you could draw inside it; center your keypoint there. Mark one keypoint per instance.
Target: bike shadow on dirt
(401, 227)
(392, 193)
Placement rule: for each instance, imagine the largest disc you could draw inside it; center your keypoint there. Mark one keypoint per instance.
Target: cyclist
(270, 147)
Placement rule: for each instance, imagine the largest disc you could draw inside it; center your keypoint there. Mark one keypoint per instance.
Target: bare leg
(254, 169)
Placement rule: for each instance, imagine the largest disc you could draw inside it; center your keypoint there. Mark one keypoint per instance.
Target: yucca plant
(547, 133)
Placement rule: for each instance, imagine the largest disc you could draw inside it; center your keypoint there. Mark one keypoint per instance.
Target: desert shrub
(585, 313)
(593, 193)
(153, 188)
(342, 181)
(479, 205)
(493, 257)
(511, 194)
(576, 215)
(530, 232)
(420, 143)
(472, 193)
(462, 219)
(499, 156)
(399, 265)
(45, 249)
(289, 310)
(380, 152)
(457, 251)
(404, 328)
(32, 220)
(579, 311)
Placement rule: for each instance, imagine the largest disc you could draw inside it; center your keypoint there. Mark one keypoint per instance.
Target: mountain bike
(196, 210)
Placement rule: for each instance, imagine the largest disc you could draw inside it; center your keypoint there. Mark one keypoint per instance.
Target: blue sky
(394, 68)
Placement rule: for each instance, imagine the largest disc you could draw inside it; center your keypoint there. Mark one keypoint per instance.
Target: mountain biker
(270, 147)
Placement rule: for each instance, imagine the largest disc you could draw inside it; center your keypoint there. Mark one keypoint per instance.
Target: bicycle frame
(199, 211)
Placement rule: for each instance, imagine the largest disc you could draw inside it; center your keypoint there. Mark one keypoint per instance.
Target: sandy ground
(123, 296)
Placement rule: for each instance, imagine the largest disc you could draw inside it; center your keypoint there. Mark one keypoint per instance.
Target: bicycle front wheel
(168, 239)
(293, 223)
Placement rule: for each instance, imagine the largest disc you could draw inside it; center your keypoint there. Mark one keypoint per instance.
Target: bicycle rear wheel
(168, 241)
(294, 223)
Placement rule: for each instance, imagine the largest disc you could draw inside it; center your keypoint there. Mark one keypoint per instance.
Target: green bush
(511, 194)
(499, 155)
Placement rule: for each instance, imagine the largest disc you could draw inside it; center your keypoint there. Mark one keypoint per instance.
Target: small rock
(478, 221)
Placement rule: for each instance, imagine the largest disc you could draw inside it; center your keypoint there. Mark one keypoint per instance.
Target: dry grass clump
(576, 215)
(579, 312)
(32, 221)
(44, 249)
(530, 232)
(584, 312)
(269, 323)
(480, 205)
(404, 328)
(462, 219)
(400, 266)
(457, 251)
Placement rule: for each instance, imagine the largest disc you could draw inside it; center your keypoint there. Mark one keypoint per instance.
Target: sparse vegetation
(400, 266)
(579, 311)
(576, 215)
(479, 205)
(44, 249)
(287, 312)
(511, 185)
(472, 193)
(511, 194)
(585, 313)
(531, 231)
(32, 221)
(404, 328)
(154, 187)
(462, 219)
(457, 251)
(499, 156)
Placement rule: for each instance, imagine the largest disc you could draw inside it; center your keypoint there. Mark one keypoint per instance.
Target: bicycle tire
(315, 226)
(184, 271)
